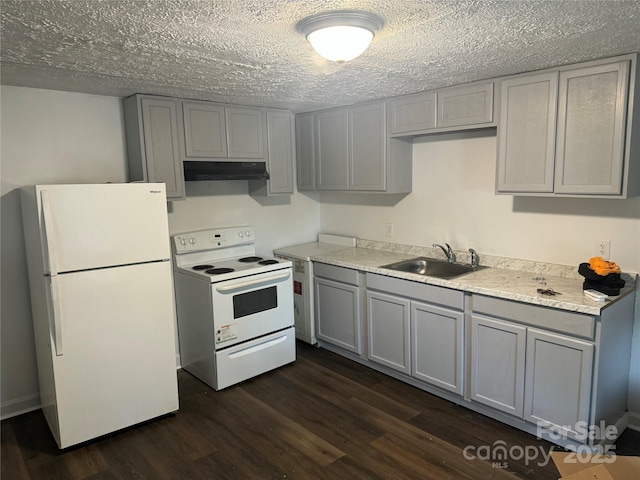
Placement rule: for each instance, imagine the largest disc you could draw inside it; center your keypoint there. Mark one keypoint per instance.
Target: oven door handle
(249, 283)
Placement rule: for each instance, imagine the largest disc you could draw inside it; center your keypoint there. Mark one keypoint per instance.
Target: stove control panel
(212, 239)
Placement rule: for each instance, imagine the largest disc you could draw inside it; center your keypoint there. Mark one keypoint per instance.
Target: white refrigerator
(103, 305)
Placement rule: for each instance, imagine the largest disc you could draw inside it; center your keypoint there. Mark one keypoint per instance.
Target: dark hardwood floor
(323, 417)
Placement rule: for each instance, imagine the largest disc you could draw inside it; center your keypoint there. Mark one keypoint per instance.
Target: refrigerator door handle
(53, 271)
(57, 318)
(48, 232)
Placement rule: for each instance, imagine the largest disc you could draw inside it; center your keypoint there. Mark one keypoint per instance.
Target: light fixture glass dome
(340, 36)
(340, 43)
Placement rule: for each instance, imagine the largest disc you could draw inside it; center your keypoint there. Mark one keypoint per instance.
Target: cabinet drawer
(340, 274)
(417, 290)
(548, 318)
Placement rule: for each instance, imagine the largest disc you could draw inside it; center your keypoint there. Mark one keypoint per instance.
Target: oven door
(252, 306)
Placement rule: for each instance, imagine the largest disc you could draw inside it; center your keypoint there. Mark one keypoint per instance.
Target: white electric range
(234, 308)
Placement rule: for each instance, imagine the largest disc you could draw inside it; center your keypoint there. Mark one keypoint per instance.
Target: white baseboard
(634, 421)
(19, 406)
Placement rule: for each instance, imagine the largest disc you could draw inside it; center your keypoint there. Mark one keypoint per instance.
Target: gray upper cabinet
(570, 131)
(448, 109)
(205, 131)
(332, 137)
(151, 126)
(526, 139)
(280, 156)
(306, 151)
(245, 132)
(367, 147)
(352, 151)
(412, 113)
(470, 105)
(591, 129)
(219, 131)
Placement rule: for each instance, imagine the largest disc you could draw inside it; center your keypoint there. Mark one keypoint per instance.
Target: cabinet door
(245, 132)
(205, 133)
(558, 381)
(306, 151)
(279, 152)
(497, 364)
(333, 149)
(367, 147)
(412, 113)
(438, 346)
(526, 133)
(338, 314)
(469, 105)
(591, 129)
(389, 331)
(160, 125)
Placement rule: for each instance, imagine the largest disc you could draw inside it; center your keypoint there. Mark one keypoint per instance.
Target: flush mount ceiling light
(340, 36)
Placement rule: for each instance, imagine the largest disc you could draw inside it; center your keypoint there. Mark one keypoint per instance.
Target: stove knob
(248, 233)
(183, 241)
(192, 241)
(241, 234)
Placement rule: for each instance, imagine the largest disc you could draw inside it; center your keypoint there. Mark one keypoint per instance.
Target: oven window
(255, 302)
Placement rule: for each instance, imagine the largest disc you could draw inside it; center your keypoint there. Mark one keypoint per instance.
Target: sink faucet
(447, 251)
(475, 260)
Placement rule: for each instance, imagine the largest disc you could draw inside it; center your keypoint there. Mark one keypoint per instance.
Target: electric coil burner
(235, 309)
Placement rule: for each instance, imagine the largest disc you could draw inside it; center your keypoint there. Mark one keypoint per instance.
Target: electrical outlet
(388, 230)
(603, 248)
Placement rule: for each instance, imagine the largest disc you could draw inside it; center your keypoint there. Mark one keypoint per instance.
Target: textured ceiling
(248, 52)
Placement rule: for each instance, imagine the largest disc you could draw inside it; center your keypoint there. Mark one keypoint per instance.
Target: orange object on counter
(603, 267)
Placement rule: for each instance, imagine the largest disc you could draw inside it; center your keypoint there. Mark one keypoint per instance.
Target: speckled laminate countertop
(510, 284)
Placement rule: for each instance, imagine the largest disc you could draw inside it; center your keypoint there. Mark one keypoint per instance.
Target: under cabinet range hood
(201, 171)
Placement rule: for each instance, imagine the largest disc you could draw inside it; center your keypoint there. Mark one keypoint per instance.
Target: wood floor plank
(323, 417)
(13, 465)
(85, 462)
(421, 442)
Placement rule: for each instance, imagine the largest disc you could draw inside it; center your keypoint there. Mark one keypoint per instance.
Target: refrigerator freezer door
(119, 362)
(95, 226)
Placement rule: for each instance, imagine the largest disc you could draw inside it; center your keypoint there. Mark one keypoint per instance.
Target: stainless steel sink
(432, 267)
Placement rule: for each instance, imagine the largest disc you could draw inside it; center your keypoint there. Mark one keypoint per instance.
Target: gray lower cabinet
(558, 378)
(337, 295)
(389, 331)
(540, 376)
(497, 364)
(437, 346)
(280, 156)
(417, 329)
(571, 131)
(151, 126)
